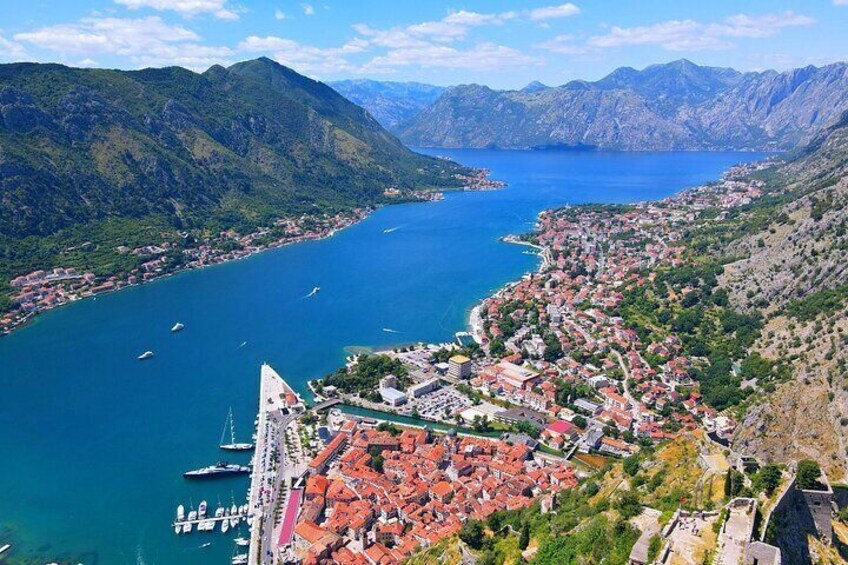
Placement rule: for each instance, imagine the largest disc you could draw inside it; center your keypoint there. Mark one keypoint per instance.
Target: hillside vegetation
(600, 521)
(786, 262)
(106, 156)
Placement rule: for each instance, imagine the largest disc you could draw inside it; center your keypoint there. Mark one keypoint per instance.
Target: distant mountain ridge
(673, 106)
(391, 103)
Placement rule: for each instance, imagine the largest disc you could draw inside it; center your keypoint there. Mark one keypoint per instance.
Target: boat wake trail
(391, 331)
(313, 292)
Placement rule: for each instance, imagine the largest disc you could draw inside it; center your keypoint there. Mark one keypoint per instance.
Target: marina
(227, 520)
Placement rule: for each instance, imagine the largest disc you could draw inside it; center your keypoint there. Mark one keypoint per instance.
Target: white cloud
(430, 44)
(840, 2)
(11, 50)
(551, 12)
(143, 41)
(673, 35)
(682, 35)
(743, 25)
(279, 14)
(564, 44)
(481, 57)
(304, 58)
(453, 27)
(308, 10)
(186, 8)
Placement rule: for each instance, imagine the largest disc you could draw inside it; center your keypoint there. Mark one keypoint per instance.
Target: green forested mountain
(236, 145)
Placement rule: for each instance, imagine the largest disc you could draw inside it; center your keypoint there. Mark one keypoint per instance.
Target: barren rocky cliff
(793, 268)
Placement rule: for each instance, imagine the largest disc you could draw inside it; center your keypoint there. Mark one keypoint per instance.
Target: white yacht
(240, 559)
(201, 510)
(180, 513)
(187, 525)
(145, 355)
(177, 327)
(233, 445)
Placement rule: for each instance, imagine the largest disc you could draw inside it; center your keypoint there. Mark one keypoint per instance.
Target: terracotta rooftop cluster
(427, 489)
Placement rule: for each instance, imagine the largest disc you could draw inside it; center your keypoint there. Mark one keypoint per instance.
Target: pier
(214, 519)
(274, 472)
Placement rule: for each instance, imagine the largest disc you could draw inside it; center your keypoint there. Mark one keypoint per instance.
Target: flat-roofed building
(513, 375)
(416, 391)
(392, 396)
(459, 367)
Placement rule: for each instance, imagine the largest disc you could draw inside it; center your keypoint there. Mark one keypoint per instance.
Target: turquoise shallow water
(94, 442)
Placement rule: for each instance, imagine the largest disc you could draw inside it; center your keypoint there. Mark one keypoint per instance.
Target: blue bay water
(94, 442)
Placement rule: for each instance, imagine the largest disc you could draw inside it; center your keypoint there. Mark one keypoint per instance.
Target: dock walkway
(279, 407)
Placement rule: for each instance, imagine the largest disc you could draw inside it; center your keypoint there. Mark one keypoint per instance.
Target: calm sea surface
(94, 442)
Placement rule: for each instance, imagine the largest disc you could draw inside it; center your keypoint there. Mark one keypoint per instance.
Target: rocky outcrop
(794, 270)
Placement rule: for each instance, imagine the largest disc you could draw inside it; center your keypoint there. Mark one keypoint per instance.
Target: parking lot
(441, 404)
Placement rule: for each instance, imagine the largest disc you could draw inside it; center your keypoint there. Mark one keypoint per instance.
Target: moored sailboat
(233, 445)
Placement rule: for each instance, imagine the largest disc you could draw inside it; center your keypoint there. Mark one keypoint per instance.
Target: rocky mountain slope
(239, 144)
(391, 103)
(790, 264)
(674, 106)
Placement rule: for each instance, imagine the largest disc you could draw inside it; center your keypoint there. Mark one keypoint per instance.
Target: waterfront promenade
(274, 469)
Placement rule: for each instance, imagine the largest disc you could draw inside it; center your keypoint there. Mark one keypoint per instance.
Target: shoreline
(474, 325)
(92, 295)
(474, 184)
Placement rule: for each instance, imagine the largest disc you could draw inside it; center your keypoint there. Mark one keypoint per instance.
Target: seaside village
(548, 383)
(42, 289)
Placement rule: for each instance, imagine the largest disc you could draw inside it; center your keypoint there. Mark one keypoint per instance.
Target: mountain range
(673, 106)
(391, 103)
(241, 145)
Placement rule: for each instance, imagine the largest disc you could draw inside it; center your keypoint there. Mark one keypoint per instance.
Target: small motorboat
(145, 355)
(177, 327)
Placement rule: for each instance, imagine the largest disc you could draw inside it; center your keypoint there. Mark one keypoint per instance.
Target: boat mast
(227, 422)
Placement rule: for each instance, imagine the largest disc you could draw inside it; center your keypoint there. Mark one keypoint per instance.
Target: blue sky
(504, 44)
